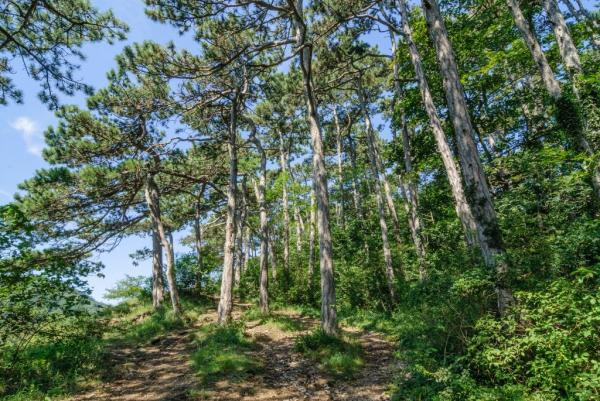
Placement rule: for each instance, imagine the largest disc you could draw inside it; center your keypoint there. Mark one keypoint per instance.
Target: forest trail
(163, 371)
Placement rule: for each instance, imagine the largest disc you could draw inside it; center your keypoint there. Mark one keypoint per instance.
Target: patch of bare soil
(289, 376)
(162, 371)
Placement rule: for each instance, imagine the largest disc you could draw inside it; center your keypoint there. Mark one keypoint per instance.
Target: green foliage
(224, 352)
(339, 356)
(130, 288)
(48, 37)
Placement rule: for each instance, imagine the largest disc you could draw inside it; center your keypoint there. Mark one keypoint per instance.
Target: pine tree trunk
(283, 161)
(488, 231)
(157, 273)
(566, 47)
(299, 224)
(272, 260)
(198, 245)
(226, 299)
(239, 250)
(407, 184)
(328, 310)
(550, 82)
(153, 201)
(387, 254)
(311, 233)
(372, 138)
(340, 171)
(582, 15)
(355, 192)
(463, 209)
(259, 190)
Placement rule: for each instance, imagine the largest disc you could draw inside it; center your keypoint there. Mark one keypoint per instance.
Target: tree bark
(355, 192)
(566, 47)
(407, 184)
(340, 171)
(311, 233)
(198, 244)
(259, 189)
(463, 209)
(226, 299)
(299, 228)
(157, 274)
(387, 254)
(283, 161)
(239, 250)
(582, 15)
(328, 308)
(488, 231)
(550, 82)
(152, 196)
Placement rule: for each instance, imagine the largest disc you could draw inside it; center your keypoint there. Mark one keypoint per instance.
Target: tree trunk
(283, 161)
(387, 254)
(463, 209)
(550, 82)
(372, 137)
(566, 47)
(239, 250)
(272, 260)
(299, 228)
(157, 274)
(198, 245)
(582, 15)
(153, 200)
(259, 189)
(488, 231)
(226, 299)
(340, 171)
(311, 233)
(328, 310)
(355, 191)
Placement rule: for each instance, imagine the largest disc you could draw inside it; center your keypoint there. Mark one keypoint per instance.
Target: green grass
(340, 357)
(282, 322)
(224, 352)
(47, 369)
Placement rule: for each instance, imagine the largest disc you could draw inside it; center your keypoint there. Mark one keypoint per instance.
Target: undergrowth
(340, 356)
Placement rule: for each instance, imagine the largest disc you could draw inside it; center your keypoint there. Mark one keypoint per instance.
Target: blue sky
(22, 125)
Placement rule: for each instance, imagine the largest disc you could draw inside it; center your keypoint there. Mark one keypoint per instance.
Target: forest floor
(265, 365)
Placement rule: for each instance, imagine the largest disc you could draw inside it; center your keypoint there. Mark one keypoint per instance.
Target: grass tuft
(224, 352)
(340, 357)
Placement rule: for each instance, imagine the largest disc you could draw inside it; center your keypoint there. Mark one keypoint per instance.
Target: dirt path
(162, 371)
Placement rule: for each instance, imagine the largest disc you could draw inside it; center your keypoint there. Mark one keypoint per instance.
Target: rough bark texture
(488, 231)
(328, 308)
(566, 47)
(226, 298)
(407, 183)
(463, 209)
(340, 170)
(198, 243)
(283, 161)
(239, 236)
(550, 82)
(387, 254)
(355, 192)
(157, 274)
(311, 233)
(582, 15)
(299, 228)
(259, 189)
(153, 200)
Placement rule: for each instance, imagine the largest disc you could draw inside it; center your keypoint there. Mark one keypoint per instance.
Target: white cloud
(34, 141)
